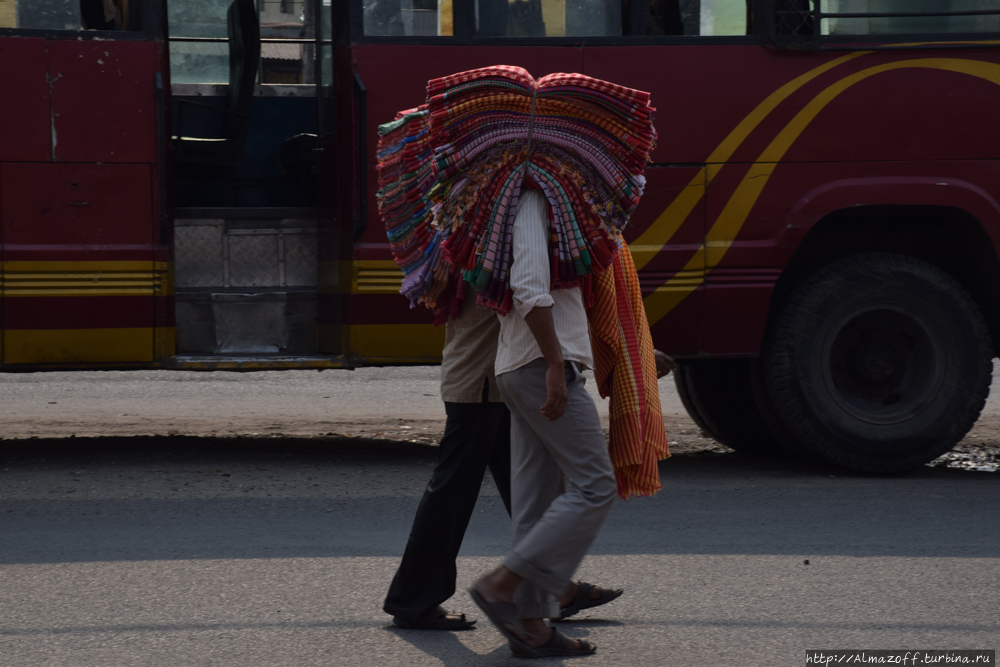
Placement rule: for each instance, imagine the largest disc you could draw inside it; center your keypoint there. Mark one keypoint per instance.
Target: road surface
(270, 552)
(272, 542)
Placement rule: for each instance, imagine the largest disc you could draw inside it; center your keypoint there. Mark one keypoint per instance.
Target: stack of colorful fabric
(451, 173)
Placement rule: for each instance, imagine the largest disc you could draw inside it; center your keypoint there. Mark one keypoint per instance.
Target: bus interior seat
(244, 58)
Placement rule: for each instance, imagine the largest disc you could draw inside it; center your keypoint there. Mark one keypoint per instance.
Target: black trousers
(476, 435)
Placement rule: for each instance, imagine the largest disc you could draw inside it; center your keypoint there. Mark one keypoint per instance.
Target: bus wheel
(878, 362)
(717, 395)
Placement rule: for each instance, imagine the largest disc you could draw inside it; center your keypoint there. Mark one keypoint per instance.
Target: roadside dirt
(979, 451)
(375, 404)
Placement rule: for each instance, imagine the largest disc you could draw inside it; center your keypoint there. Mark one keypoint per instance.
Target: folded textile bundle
(451, 173)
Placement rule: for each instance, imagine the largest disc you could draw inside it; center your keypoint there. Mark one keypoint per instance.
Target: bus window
(41, 14)
(408, 18)
(199, 52)
(107, 15)
(198, 61)
(697, 17)
(910, 25)
(597, 18)
(548, 18)
(68, 14)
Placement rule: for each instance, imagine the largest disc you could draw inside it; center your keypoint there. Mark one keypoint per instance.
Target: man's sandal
(583, 601)
(504, 616)
(440, 620)
(558, 644)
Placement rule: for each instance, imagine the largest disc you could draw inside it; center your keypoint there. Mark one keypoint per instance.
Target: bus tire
(718, 396)
(878, 362)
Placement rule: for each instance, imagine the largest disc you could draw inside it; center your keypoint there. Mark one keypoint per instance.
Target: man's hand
(556, 392)
(539, 320)
(664, 363)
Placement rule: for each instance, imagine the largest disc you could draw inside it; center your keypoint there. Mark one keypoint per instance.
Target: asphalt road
(273, 552)
(261, 547)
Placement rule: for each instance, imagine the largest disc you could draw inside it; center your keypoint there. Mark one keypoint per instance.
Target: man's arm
(530, 276)
(539, 320)
(664, 363)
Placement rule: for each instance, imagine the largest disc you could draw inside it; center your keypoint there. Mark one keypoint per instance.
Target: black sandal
(582, 600)
(439, 620)
(503, 615)
(558, 644)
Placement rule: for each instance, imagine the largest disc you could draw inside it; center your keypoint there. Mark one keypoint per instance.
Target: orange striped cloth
(625, 369)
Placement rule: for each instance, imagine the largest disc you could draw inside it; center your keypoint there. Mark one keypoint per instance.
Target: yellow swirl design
(724, 230)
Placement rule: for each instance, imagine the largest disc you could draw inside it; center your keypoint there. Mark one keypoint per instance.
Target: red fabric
(625, 370)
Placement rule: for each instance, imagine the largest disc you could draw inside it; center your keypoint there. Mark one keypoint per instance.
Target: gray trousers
(562, 485)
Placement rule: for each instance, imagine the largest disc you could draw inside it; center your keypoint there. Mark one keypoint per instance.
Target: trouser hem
(526, 570)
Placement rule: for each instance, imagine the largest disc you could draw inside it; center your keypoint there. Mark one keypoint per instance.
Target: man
(563, 483)
(477, 435)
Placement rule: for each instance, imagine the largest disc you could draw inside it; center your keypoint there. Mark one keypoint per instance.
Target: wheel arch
(952, 225)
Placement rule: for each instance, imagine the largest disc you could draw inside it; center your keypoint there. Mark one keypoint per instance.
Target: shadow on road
(169, 498)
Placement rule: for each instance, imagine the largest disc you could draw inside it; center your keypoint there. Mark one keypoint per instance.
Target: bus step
(260, 362)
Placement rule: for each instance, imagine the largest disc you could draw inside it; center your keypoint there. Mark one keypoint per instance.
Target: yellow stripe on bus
(127, 278)
(666, 225)
(66, 346)
(727, 226)
(722, 234)
(396, 342)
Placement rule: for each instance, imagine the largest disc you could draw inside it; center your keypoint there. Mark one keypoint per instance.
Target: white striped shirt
(530, 278)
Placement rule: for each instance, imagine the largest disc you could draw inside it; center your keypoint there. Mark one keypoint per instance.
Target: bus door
(84, 263)
(246, 80)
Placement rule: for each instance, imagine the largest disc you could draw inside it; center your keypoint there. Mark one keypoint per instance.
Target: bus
(191, 184)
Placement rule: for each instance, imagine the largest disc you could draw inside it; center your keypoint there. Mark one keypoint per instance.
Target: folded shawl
(625, 370)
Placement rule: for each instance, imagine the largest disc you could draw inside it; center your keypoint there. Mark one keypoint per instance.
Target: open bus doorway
(245, 86)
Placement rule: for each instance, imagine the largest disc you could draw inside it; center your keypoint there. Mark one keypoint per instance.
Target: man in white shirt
(562, 480)
(477, 436)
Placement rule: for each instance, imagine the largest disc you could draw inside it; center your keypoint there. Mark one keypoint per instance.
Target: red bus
(817, 242)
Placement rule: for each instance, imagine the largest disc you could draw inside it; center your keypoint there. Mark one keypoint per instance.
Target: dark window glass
(913, 25)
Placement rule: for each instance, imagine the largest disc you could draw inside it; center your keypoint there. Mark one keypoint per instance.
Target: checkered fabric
(625, 370)
(451, 173)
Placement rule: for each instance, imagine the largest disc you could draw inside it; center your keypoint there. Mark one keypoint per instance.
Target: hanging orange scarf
(626, 371)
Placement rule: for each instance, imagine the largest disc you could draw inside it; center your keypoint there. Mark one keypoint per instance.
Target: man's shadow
(448, 648)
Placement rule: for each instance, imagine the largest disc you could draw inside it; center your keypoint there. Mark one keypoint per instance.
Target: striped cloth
(451, 173)
(625, 370)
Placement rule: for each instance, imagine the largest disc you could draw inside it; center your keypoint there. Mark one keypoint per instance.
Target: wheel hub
(884, 363)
